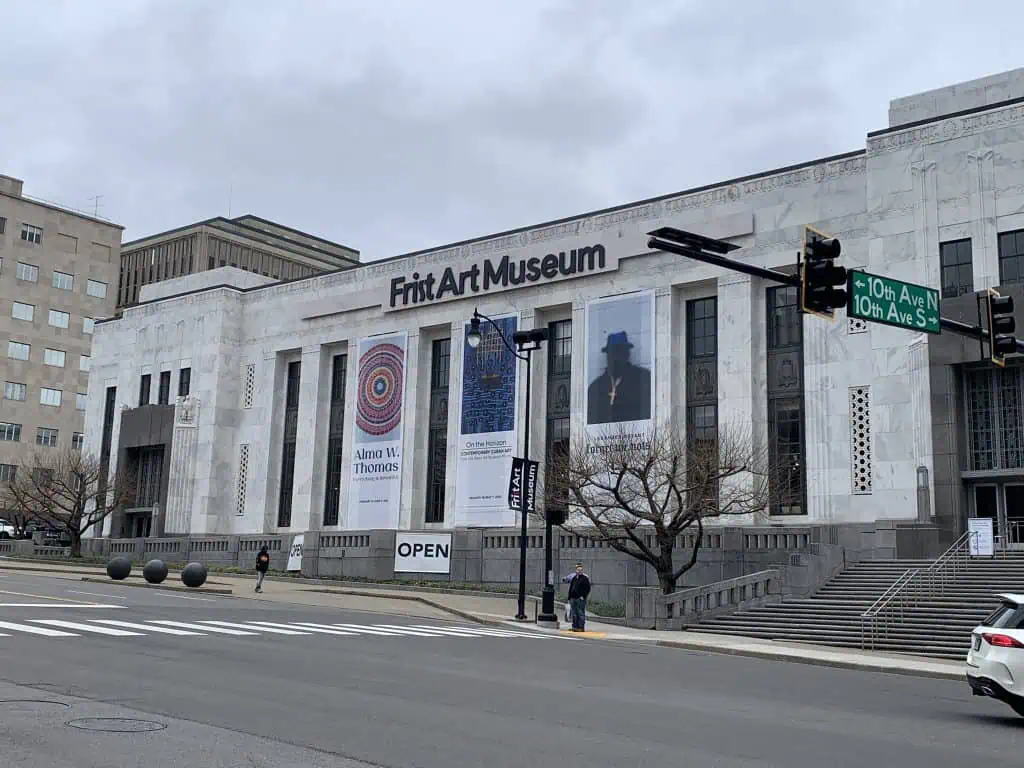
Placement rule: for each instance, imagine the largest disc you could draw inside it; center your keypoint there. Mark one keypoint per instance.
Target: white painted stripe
(146, 627)
(315, 628)
(487, 632)
(94, 594)
(235, 625)
(85, 627)
(35, 630)
(200, 627)
(363, 630)
(158, 593)
(57, 605)
(452, 632)
(406, 630)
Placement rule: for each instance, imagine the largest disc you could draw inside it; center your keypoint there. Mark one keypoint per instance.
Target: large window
(54, 357)
(46, 437)
(995, 433)
(291, 425)
(144, 382)
(88, 325)
(81, 401)
(558, 405)
(77, 441)
(59, 319)
(437, 441)
(163, 393)
(21, 311)
(150, 476)
(1011, 257)
(335, 441)
(96, 289)
(10, 433)
(31, 234)
(63, 280)
(787, 474)
(52, 397)
(8, 472)
(27, 272)
(702, 369)
(14, 390)
(957, 272)
(184, 382)
(18, 351)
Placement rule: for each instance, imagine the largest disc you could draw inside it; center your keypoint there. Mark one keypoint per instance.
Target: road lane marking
(236, 625)
(85, 627)
(146, 627)
(35, 630)
(482, 632)
(315, 628)
(184, 597)
(95, 594)
(405, 630)
(364, 630)
(57, 605)
(201, 627)
(42, 597)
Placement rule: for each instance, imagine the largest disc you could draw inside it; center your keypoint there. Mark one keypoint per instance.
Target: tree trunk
(665, 569)
(76, 544)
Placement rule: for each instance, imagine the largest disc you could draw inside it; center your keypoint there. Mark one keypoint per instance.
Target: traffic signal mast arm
(709, 251)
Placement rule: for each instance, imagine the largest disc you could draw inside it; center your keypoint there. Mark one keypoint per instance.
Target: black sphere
(155, 571)
(119, 568)
(194, 575)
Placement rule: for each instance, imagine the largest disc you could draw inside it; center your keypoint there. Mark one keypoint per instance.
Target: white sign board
(295, 553)
(981, 539)
(423, 552)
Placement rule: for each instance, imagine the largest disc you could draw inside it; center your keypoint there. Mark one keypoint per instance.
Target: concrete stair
(938, 626)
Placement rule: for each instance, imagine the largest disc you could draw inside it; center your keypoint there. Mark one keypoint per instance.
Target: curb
(165, 587)
(467, 615)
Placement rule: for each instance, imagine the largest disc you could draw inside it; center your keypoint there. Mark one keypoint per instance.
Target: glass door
(1014, 514)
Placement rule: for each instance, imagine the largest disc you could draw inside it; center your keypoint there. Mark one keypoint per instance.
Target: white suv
(995, 663)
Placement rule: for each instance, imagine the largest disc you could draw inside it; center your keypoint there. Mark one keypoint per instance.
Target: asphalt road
(443, 701)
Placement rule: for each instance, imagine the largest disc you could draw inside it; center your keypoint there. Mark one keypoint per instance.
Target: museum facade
(352, 401)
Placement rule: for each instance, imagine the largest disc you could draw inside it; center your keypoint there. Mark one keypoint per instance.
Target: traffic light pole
(692, 252)
(971, 331)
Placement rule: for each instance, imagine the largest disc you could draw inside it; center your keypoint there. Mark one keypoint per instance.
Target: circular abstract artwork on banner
(379, 403)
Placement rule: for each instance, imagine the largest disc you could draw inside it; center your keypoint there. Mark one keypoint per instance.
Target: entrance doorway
(1014, 513)
(1004, 505)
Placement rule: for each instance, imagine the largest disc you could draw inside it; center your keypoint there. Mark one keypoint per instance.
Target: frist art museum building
(349, 407)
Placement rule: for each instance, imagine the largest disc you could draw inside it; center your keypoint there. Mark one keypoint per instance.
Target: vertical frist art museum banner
(620, 360)
(487, 430)
(376, 484)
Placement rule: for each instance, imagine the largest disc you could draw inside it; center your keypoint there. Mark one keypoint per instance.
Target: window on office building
(63, 281)
(50, 397)
(96, 289)
(18, 351)
(84, 363)
(27, 272)
(88, 325)
(1011, 257)
(81, 400)
(559, 389)
(54, 357)
(144, 389)
(14, 391)
(957, 271)
(702, 392)
(59, 319)
(21, 311)
(335, 441)
(184, 382)
(291, 424)
(995, 433)
(163, 393)
(31, 234)
(785, 403)
(8, 472)
(46, 437)
(77, 441)
(10, 433)
(437, 440)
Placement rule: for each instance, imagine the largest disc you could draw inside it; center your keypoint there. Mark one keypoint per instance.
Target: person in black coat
(579, 591)
(623, 391)
(262, 566)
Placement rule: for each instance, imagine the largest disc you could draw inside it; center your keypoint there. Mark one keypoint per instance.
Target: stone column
(310, 450)
(181, 477)
(984, 234)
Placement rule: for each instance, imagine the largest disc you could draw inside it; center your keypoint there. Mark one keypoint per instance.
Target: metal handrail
(913, 585)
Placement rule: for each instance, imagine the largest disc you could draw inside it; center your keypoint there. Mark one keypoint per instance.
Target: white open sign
(423, 552)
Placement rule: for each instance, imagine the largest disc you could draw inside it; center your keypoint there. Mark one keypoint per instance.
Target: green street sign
(892, 302)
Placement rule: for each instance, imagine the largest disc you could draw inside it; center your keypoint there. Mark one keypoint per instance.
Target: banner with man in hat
(620, 360)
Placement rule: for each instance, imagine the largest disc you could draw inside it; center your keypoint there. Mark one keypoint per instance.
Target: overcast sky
(396, 125)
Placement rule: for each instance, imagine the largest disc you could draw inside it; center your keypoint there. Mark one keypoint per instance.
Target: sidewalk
(497, 611)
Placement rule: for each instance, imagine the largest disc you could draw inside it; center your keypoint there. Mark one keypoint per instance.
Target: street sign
(515, 485)
(893, 302)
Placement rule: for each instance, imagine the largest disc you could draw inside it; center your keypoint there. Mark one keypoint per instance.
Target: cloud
(398, 125)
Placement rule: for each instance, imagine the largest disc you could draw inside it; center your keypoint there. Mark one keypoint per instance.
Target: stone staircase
(938, 624)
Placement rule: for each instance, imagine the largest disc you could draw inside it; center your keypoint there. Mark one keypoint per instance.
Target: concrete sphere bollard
(194, 575)
(155, 571)
(119, 568)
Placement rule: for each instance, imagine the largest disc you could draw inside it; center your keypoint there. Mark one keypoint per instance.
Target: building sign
(376, 484)
(518, 484)
(423, 552)
(492, 275)
(295, 553)
(619, 369)
(980, 538)
(487, 429)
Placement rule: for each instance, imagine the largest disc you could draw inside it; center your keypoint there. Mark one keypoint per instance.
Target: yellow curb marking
(570, 633)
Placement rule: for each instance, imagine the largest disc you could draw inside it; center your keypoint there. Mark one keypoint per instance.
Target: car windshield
(1006, 616)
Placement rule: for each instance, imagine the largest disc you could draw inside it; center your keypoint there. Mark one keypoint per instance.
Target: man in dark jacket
(262, 566)
(579, 590)
(623, 391)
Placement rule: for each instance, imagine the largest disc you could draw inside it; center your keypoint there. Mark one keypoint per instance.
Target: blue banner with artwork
(487, 428)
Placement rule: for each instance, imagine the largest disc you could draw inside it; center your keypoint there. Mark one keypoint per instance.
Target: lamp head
(473, 335)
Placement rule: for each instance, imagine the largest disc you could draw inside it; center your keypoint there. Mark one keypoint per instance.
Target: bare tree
(638, 494)
(69, 491)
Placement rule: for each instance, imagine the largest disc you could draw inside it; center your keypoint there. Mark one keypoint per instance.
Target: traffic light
(820, 294)
(1001, 327)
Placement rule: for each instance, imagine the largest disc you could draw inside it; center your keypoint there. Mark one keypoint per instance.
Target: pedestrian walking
(262, 566)
(579, 590)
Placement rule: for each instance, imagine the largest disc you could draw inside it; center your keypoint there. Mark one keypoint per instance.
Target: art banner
(620, 361)
(487, 432)
(376, 484)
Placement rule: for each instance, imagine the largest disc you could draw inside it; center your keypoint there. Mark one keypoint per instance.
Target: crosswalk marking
(442, 631)
(35, 630)
(487, 632)
(314, 628)
(271, 630)
(85, 627)
(147, 627)
(384, 632)
(204, 628)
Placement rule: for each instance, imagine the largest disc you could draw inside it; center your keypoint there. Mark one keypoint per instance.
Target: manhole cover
(115, 724)
(31, 705)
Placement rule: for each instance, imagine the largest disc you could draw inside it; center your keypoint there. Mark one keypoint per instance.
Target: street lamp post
(527, 342)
